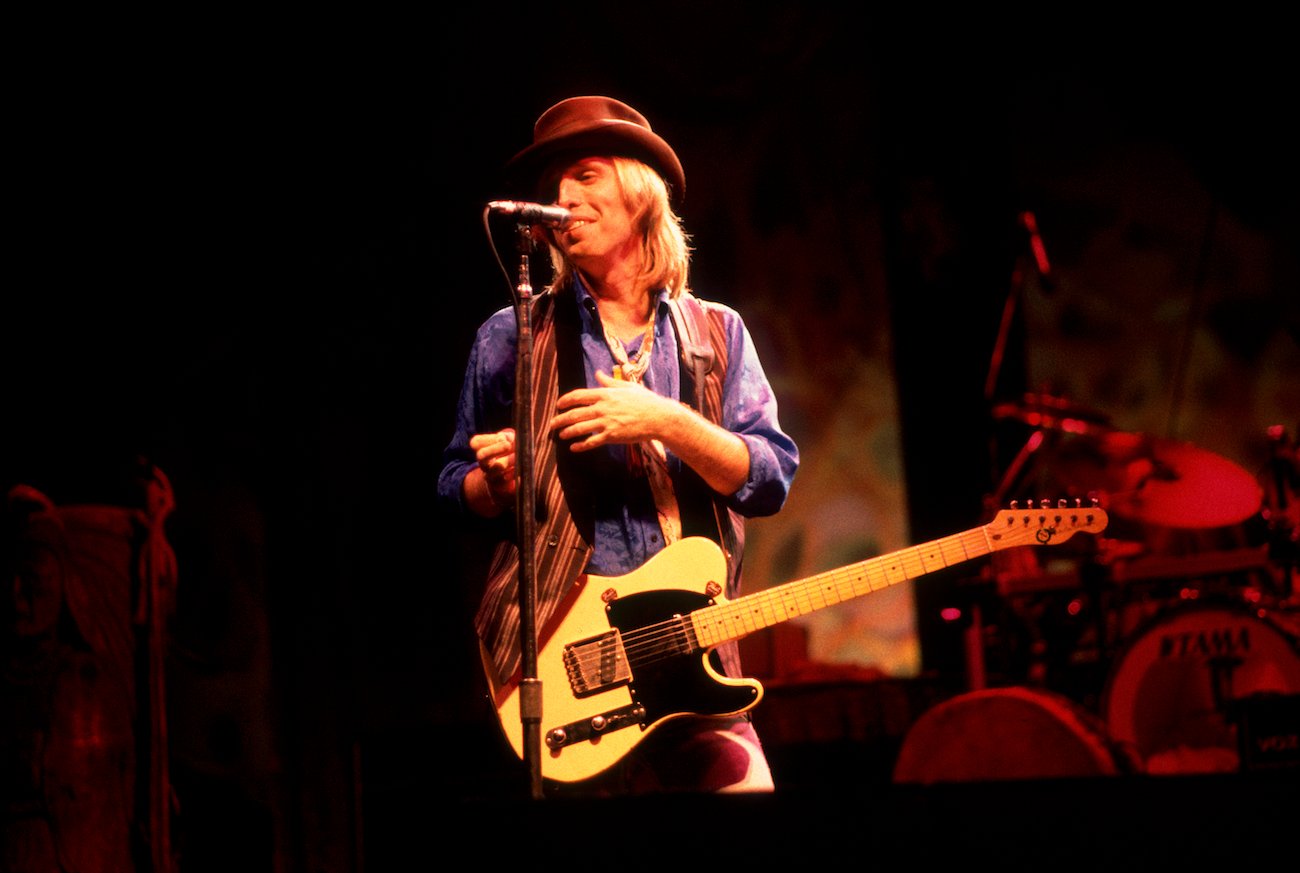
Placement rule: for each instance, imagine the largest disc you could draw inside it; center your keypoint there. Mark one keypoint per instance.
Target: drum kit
(1179, 624)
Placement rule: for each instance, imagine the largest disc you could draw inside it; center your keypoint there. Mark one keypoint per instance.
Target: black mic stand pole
(530, 687)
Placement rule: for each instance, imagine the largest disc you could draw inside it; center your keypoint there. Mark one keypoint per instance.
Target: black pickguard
(671, 679)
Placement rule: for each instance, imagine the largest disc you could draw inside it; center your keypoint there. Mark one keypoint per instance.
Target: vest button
(553, 541)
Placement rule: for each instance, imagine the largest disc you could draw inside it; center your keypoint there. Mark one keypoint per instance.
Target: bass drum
(1175, 692)
(1008, 733)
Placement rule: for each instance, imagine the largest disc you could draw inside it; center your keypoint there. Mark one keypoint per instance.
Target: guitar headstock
(1045, 524)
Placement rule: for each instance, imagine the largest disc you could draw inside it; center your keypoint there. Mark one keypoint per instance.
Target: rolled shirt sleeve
(750, 411)
(486, 403)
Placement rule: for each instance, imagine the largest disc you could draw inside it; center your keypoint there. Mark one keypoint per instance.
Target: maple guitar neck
(735, 619)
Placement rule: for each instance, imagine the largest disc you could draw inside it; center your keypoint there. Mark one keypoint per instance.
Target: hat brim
(611, 137)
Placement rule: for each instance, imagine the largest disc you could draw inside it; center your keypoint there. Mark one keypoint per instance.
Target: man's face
(601, 232)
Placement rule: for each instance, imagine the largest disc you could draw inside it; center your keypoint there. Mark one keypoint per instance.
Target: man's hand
(491, 486)
(626, 412)
(616, 412)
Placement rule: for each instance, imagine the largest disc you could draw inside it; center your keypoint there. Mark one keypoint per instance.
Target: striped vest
(564, 530)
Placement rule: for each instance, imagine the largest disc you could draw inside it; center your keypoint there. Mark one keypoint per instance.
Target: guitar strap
(702, 338)
(697, 353)
(562, 546)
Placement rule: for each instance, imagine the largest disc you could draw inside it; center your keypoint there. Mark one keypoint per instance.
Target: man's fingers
(578, 397)
(501, 437)
(494, 449)
(574, 416)
(588, 396)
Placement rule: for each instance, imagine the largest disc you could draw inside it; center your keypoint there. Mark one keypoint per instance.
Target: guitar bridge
(596, 663)
(595, 727)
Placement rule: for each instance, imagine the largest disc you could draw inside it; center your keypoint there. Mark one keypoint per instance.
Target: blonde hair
(665, 246)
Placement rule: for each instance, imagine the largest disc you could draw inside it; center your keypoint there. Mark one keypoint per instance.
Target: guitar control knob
(599, 723)
(556, 738)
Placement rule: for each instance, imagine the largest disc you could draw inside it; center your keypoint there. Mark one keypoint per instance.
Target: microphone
(532, 213)
(1039, 251)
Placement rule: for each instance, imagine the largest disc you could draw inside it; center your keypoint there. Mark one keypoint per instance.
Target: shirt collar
(587, 303)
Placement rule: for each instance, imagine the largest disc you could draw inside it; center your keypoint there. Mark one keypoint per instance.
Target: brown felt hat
(597, 126)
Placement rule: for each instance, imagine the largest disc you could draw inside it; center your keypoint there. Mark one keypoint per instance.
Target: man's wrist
(481, 496)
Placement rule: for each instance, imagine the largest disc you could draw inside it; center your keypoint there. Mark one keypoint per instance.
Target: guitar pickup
(596, 664)
(594, 727)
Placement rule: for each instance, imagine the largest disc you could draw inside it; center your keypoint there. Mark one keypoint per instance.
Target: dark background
(252, 254)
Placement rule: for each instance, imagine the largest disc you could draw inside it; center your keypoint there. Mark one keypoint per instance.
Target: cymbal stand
(1017, 465)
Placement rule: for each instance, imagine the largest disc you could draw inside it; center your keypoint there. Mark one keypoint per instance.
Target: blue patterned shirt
(627, 529)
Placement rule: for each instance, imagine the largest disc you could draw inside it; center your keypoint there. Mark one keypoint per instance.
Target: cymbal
(1164, 482)
(1056, 413)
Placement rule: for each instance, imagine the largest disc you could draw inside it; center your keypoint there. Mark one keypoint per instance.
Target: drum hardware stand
(1016, 288)
(1029, 224)
(1097, 586)
(976, 674)
(1054, 656)
(1017, 465)
(1283, 525)
(1221, 669)
(1032, 261)
(977, 590)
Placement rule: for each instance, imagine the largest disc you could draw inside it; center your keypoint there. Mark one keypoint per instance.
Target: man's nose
(567, 196)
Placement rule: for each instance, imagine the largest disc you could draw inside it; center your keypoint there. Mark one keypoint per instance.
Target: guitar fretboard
(741, 617)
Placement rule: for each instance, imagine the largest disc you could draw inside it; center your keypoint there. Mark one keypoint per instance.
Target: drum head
(1175, 693)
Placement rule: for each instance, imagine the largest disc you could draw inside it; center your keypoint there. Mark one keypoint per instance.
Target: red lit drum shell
(1007, 734)
(1160, 695)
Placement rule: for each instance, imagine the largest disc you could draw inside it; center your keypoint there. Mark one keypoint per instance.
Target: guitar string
(652, 639)
(641, 645)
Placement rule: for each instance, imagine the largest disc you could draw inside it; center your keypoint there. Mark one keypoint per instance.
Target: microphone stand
(530, 688)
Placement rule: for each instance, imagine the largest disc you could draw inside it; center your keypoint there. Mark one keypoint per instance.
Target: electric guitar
(633, 651)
